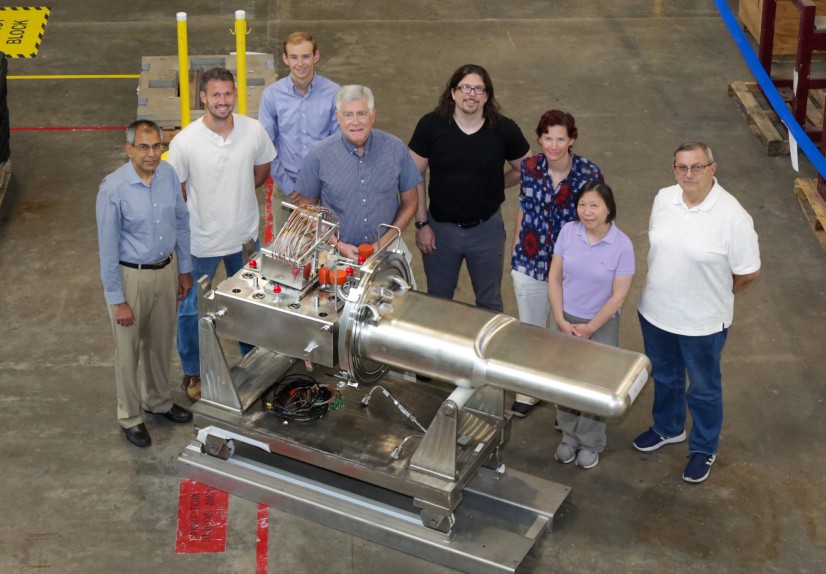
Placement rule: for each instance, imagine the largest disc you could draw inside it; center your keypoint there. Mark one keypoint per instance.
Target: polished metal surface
(502, 517)
(412, 465)
(470, 347)
(284, 322)
(385, 325)
(360, 441)
(383, 277)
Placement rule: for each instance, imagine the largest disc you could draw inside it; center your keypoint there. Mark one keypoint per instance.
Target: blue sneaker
(651, 440)
(698, 467)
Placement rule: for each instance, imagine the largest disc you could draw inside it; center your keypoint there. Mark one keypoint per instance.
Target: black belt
(470, 224)
(157, 265)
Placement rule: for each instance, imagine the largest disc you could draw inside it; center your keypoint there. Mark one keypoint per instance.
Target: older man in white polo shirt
(703, 252)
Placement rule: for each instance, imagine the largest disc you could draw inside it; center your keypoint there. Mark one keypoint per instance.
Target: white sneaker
(587, 458)
(565, 453)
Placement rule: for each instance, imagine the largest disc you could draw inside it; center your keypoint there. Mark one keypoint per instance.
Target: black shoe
(138, 435)
(176, 414)
(521, 410)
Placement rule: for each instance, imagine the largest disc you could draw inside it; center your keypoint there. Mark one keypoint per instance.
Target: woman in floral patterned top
(547, 201)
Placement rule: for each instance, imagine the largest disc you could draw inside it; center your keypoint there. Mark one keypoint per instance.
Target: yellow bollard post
(241, 59)
(183, 69)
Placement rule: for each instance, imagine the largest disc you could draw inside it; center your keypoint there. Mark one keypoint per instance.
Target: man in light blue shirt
(297, 111)
(365, 176)
(145, 264)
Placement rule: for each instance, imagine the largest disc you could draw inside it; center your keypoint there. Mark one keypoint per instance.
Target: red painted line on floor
(70, 129)
(262, 540)
(268, 231)
(202, 519)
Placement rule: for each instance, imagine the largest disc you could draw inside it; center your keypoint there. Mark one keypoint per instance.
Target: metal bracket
(436, 454)
(219, 447)
(216, 382)
(308, 351)
(217, 387)
(436, 518)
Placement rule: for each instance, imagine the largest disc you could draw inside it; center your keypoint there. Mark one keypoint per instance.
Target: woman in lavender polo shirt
(589, 279)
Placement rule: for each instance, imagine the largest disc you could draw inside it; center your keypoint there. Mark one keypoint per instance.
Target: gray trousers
(481, 247)
(583, 429)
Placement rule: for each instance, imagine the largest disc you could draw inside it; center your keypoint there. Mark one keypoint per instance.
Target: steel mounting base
(500, 519)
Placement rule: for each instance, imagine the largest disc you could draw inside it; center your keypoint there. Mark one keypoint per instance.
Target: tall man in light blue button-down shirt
(297, 111)
(145, 264)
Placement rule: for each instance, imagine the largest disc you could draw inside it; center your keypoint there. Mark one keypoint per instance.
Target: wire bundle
(298, 235)
(298, 397)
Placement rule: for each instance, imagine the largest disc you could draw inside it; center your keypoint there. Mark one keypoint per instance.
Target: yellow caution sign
(21, 30)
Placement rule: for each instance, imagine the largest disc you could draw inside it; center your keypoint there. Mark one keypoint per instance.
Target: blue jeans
(188, 347)
(671, 357)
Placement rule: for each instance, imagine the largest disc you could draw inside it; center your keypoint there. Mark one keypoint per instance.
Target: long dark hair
(447, 106)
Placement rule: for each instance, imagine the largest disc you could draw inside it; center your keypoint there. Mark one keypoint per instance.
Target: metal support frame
(527, 503)
(450, 500)
(811, 38)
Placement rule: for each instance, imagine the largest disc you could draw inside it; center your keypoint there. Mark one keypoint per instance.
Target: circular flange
(379, 271)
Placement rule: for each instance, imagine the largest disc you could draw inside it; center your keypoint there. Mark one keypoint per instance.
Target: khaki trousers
(143, 350)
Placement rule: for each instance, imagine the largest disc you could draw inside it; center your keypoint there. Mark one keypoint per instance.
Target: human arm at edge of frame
(741, 282)
(425, 238)
(407, 210)
(619, 292)
(514, 171)
(555, 295)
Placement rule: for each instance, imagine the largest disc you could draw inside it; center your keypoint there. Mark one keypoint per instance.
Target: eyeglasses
(362, 115)
(695, 169)
(476, 90)
(144, 148)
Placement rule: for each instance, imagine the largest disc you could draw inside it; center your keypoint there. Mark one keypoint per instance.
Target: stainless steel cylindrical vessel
(469, 347)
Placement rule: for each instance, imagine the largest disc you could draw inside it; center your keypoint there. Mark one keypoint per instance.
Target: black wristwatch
(420, 224)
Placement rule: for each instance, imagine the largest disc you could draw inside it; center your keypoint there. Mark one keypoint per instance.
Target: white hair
(355, 93)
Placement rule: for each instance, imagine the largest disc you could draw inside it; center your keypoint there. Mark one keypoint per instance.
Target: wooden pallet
(761, 118)
(158, 97)
(168, 134)
(764, 122)
(814, 207)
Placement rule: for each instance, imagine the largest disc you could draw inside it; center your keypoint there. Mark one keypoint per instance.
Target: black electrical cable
(298, 397)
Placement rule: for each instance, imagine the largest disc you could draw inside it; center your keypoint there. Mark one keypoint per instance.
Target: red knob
(276, 289)
(348, 271)
(253, 263)
(361, 259)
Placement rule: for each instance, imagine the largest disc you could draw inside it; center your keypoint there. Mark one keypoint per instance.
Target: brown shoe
(192, 385)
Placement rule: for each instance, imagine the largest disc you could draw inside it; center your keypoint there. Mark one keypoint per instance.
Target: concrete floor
(640, 76)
